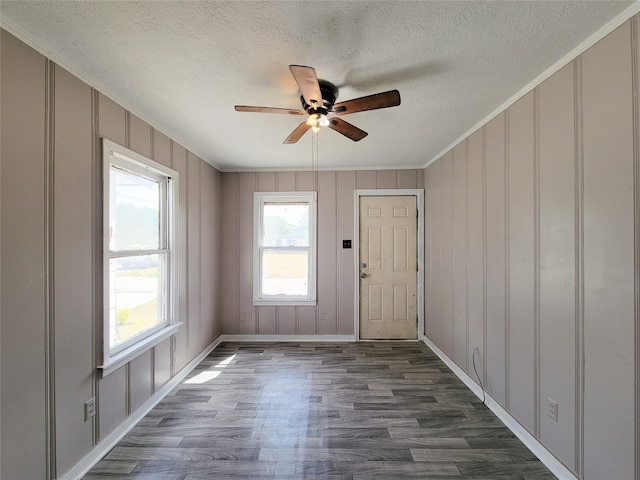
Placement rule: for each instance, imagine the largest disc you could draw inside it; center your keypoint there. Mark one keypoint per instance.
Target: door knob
(363, 275)
(363, 265)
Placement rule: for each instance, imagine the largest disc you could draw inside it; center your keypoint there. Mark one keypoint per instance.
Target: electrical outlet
(552, 409)
(321, 316)
(89, 408)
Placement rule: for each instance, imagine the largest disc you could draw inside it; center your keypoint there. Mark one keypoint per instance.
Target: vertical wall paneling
(139, 136)
(49, 266)
(266, 181)
(428, 247)
(536, 266)
(334, 313)
(446, 272)
(408, 178)
(216, 246)
(327, 245)
(305, 181)
(475, 254)
(140, 373)
(72, 239)
(495, 242)
(345, 186)
(161, 364)
(561, 176)
(635, 36)
(96, 258)
(112, 120)
(246, 187)
(608, 250)
(161, 148)
(521, 261)
(386, 179)
(23, 267)
(286, 181)
(211, 211)
(112, 401)
(366, 179)
(286, 318)
(52, 251)
(193, 251)
(458, 328)
(307, 320)
(179, 159)
(205, 255)
(579, 267)
(507, 270)
(230, 316)
(434, 326)
(556, 154)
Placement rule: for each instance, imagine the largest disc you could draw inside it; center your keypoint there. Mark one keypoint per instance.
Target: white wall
(533, 242)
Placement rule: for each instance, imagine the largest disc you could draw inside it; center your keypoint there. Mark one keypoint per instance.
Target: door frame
(400, 192)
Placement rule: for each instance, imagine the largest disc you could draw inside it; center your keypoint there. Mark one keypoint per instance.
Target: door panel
(388, 266)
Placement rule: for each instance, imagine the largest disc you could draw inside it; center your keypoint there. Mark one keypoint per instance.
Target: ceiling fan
(318, 101)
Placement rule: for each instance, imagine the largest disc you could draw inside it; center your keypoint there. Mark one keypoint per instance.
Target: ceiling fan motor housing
(329, 94)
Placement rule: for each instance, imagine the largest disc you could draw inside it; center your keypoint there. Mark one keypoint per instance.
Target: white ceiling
(183, 65)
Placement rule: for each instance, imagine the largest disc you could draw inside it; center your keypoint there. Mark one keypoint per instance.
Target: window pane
(285, 273)
(135, 287)
(286, 225)
(134, 212)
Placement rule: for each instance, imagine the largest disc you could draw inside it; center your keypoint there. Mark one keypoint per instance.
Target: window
(139, 262)
(284, 266)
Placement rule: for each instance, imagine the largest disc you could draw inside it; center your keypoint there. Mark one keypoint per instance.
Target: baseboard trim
(532, 443)
(287, 338)
(102, 448)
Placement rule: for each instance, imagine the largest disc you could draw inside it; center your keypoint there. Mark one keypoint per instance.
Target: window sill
(124, 357)
(281, 303)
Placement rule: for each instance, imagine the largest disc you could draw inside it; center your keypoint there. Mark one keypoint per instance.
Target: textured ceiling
(183, 65)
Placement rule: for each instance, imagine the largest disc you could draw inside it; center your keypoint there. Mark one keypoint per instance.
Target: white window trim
(136, 163)
(259, 199)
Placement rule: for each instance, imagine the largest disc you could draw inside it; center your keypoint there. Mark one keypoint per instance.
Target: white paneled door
(388, 267)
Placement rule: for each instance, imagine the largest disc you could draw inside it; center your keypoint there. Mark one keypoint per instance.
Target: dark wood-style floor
(357, 411)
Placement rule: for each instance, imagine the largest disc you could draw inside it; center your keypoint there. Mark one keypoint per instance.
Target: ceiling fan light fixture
(313, 120)
(317, 120)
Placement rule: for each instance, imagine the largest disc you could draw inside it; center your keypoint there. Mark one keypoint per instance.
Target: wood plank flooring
(356, 411)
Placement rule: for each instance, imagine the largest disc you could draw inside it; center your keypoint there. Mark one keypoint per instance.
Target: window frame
(260, 198)
(115, 155)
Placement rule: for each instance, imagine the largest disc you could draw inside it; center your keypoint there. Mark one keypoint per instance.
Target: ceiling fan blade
(346, 129)
(297, 133)
(371, 102)
(307, 80)
(248, 108)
